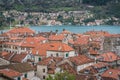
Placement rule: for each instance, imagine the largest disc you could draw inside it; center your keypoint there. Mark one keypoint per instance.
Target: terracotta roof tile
(82, 40)
(10, 73)
(56, 46)
(8, 56)
(71, 41)
(3, 53)
(16, 38)
(21, 67)
(93, 69)
(98, 33)
(111, 74)
(20, 30)
(108, 57)
(81, 59)
(18, 57)
(66, 32)
(68, 68)
(56, 37)
(47, 61)
(62, 47)
(28, 42)
(100, 64)
(93, 52)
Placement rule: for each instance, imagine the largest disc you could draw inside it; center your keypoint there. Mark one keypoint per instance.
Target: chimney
(110, 73)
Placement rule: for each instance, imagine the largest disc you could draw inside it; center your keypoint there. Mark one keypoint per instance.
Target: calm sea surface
(77, 29)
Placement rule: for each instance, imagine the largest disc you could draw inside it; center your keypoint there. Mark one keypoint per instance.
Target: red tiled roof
(40, 49)
(18, 57)
(79, 35)
(70, 41)
(68, 68)
(93, 69)
(50, 63)
(81, 59)
(111, 74)
(2, 54)
(56, 37)
(27, 42)
(100, 65)
(116, 35)
(93, 52)
(8, 56)
(113, 35)
(10, 73)
(21, 67)
(82, 40)
(47, 61)
(20, 30)
(65, 32)
(40, 38)
(30, 42)
(16, 38)
(98, 33)
(108, 57)
(56, 46)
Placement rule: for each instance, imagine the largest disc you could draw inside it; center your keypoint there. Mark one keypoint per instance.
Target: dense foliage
(62, 76)
(101, 8)
(48, 5)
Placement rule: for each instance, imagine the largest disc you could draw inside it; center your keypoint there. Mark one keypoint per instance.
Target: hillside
(101, 9)
(48, 5)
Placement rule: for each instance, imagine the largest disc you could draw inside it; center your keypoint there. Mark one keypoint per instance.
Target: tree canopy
(62, 76)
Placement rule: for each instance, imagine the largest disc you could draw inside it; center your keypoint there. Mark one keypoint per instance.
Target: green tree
(62, 76)
(113, 9)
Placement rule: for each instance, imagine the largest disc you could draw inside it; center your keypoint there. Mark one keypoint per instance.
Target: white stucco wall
(40, 72)
(60, 54)
(4, 62)
(30, 74)
(80, 67)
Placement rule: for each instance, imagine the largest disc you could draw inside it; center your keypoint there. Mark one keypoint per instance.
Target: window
(57, 55)
(67, 55)
(33, 63)
(44, 70)
(51, 55)
(16, 47)
(22, 48)
(0, 46)
(25, 75)
(39, 59)
(18, 78)
(43, 77)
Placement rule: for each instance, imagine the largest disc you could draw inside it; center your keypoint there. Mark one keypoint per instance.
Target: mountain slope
(46, 5)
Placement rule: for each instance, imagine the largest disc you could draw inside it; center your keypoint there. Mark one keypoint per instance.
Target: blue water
(77, 29)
